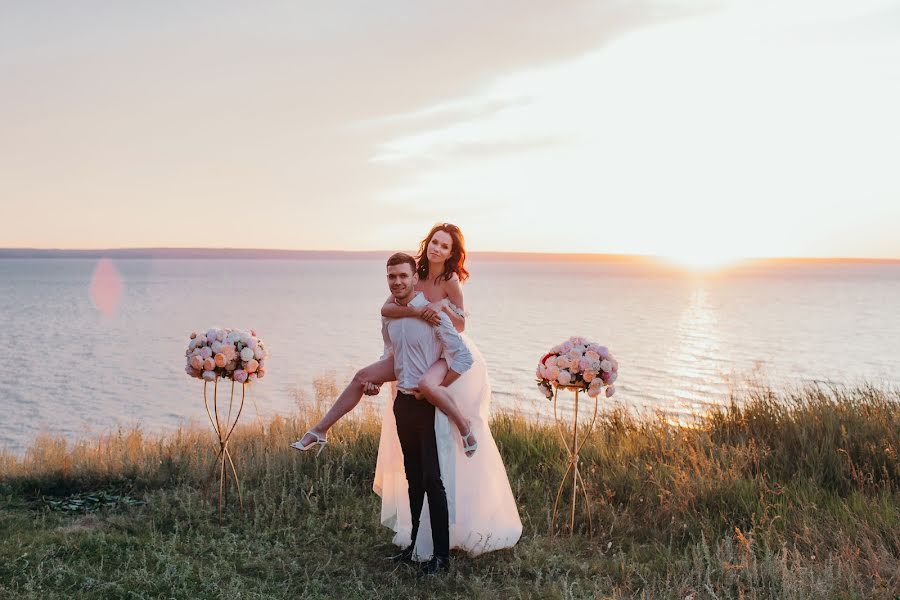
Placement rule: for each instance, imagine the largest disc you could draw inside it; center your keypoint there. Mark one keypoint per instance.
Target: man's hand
(429, 314)
(370, 389)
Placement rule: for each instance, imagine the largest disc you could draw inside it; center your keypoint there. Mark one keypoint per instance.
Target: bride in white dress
(483, 513)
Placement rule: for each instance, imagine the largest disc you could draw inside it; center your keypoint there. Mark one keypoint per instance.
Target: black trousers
(415, 427)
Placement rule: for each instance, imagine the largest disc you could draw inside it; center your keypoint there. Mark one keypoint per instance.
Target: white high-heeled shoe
(467, 447)
(319, 441)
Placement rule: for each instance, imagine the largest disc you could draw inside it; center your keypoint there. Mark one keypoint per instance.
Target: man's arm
(459, 359)
(388, 347)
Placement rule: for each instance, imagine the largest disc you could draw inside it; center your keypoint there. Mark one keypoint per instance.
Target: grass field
(791, 494)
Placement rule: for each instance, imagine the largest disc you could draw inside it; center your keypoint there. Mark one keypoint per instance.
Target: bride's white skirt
(483, 513)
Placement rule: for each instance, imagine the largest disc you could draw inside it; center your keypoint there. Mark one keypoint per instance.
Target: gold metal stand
(223, 455)
(573, 451)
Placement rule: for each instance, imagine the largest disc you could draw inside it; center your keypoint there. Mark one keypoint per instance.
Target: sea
(75, 364)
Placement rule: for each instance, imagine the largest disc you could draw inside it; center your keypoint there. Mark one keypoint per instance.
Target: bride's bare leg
(439, 396)
(376, 373)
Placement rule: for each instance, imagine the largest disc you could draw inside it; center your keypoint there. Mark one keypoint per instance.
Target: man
(416, 345)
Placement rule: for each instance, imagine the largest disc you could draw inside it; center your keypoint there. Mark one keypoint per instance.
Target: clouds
(750, 130)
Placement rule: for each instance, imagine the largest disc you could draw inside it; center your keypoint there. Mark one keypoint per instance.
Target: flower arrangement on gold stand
(227, 354)
(576, 365)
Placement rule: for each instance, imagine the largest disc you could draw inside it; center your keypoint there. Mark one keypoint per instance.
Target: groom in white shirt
(416, 345)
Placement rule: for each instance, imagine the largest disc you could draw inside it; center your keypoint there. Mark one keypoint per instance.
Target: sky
(697, 130)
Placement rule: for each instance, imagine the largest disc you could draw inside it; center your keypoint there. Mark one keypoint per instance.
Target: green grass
(791, 495)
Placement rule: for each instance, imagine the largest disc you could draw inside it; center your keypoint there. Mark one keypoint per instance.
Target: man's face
(402, 280)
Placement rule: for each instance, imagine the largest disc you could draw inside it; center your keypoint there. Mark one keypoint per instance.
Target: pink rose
(593, 392)
(240, 376)
(260, 373)
(552, 373)
(603, 351)
(562, 362)
(606, 365)
(591, 355)
(610, 390)
(209, 364)
(192, 371)
(588, 376)
(565, 378)
(252, 365)
(550, 361)
(612, 377)
(252, 343)
(206, 352)
(229, 352)
(197, 362)
(220, 360)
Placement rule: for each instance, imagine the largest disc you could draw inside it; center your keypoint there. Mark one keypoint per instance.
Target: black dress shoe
(405, 556)
(436, 566)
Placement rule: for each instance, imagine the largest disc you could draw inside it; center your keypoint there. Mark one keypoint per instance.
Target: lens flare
(106, 287)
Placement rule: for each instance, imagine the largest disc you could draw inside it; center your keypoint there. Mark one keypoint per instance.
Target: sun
(702, 262)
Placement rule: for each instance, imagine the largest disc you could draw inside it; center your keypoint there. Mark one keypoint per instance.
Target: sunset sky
(675, 128)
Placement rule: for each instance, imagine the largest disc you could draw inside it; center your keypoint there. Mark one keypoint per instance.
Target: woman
(483, 512)
(441, 269)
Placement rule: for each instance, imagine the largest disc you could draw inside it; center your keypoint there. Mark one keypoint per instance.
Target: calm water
(682, 342)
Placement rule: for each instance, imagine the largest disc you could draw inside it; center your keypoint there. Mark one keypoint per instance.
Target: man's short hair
(402, 258)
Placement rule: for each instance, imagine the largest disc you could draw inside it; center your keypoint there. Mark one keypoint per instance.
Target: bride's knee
(359, 378)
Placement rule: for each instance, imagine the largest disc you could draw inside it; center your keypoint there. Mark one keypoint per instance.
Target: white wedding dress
(483, 513)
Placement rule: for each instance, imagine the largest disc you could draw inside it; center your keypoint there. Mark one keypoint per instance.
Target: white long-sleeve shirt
(416, 345)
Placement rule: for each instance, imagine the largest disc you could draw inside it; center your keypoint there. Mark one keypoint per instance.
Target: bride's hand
(430, 314)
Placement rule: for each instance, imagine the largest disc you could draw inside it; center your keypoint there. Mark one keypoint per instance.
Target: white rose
(209, 375)
(606, 365)
(565, 378)
(247, 354)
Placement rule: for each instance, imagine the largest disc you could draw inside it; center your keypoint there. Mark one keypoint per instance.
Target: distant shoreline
(260, 253)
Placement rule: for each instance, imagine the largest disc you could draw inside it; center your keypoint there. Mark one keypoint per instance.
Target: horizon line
(176, 252)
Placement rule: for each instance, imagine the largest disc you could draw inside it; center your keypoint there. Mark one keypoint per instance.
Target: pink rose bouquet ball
(228, 353)
(578, 363)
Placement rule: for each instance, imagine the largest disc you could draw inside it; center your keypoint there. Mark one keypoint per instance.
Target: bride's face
(440, 247)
